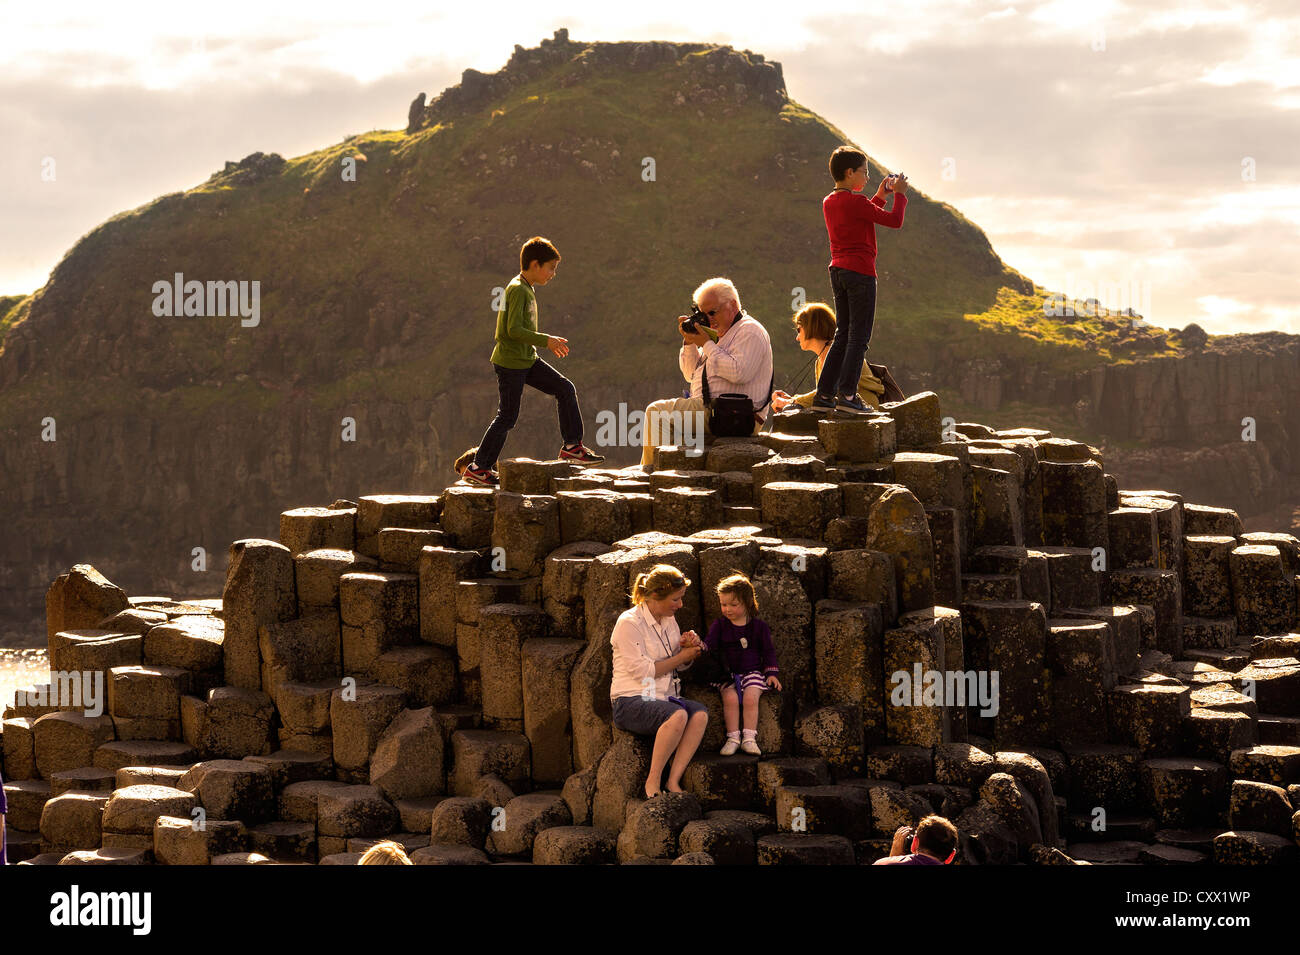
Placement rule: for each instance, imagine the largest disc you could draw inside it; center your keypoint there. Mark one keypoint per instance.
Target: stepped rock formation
(1166, 421)
(435, 669)
(376, 306)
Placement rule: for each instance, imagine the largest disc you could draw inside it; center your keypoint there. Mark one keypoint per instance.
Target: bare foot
(674, 788)
(649, 794)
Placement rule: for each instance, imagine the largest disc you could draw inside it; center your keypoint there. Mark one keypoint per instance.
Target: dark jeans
(855, 314)
(510, 387)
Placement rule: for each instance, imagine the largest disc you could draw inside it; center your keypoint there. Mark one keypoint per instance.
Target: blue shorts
(632, 714)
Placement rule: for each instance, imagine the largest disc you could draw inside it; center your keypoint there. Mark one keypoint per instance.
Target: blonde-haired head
(658, 582)
(385, 853)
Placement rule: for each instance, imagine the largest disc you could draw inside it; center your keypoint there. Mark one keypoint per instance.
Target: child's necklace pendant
(744, 644)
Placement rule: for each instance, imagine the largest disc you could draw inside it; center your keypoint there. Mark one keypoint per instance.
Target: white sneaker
(751, 746)
(729, 747)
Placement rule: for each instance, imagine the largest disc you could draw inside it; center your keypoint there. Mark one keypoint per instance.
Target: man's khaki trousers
(680, 421)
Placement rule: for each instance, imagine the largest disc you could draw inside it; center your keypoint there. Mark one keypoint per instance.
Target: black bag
(732, 415)
(892, 391)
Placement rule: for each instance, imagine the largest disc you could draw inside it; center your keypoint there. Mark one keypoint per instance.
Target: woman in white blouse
(645, 692)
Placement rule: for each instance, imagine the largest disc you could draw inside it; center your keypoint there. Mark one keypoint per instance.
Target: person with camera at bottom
(645, 691)
(515, 363)
(814, 326)
(387, 852)
(851, 220)
(933, 843)
(726, 355)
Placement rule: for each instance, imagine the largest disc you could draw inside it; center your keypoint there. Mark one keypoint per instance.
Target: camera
(696, 319)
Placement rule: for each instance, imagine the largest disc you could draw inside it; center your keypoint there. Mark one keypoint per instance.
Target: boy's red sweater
(851, 224)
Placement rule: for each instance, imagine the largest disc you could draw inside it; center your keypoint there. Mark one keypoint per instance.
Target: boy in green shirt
(515, 362)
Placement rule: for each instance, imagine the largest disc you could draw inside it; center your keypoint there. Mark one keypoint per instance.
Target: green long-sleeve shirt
(517, 335)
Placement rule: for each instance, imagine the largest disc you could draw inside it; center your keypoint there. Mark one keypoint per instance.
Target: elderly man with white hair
(739, 361)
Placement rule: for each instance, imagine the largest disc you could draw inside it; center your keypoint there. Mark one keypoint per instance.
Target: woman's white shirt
(639, 641)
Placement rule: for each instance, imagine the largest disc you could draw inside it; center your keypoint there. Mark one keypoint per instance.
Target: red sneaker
(477, 475)
(581, 454)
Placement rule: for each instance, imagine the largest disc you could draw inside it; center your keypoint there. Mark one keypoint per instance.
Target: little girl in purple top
(747, 652)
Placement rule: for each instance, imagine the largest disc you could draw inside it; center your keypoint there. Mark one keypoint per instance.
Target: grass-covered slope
(383, 286)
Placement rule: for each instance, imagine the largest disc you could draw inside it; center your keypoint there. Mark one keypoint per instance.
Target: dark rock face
(1163, 422)
(1193, 336)
(253, 168)
(719, 72)
(415, 115)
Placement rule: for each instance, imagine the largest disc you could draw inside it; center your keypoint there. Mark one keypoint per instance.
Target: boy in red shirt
(851, 220)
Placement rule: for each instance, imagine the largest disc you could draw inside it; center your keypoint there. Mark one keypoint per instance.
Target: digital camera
(695, 320)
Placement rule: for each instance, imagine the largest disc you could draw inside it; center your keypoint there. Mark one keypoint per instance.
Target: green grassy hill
(382, 286)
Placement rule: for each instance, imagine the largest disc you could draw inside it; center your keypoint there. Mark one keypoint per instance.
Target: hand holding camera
(696, 328)
(897, 183)
(902, 838)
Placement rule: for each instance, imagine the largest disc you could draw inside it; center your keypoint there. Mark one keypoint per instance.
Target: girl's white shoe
(729, 747)
(751, 746)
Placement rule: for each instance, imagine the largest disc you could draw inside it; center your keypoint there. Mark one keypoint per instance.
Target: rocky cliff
(1183, 422)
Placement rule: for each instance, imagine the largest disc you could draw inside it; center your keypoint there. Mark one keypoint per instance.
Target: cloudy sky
(1149, 145)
